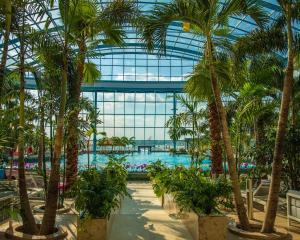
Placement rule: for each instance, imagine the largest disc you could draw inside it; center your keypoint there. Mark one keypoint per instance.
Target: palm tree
(7, 7)
(26, 213)
(90, 123)
(280, 36)
(131, 142)
(272, 203)
(54, 54)
(9, 114)
(200, 77)
(89, 134)
(124, 142)
(48, 221)
(177, 128)
(258, 99)
(41, 99)
(52, 195)
(115, 141)
(86, 19)
(208, 19)
(187, 123)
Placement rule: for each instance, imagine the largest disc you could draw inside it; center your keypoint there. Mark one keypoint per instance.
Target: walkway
(143, 218)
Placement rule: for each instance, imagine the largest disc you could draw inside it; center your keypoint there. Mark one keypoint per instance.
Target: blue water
(136, 161)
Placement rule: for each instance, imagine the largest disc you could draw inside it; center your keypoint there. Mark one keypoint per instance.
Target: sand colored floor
(143, 218)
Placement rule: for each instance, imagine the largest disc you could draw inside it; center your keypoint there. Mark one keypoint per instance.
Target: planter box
(92, 229)
(200, 227)
(96, 229)
(16, 233)
(212, 227)
(168, 203)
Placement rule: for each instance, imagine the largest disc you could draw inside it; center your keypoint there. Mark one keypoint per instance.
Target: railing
(293, 206)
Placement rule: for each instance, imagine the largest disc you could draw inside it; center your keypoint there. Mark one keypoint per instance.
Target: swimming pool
(136, 162)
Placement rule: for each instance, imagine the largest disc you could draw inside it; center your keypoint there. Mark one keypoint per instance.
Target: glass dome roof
(183, 46)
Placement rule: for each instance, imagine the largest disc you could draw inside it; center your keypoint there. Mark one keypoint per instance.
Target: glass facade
(143, 67)
(139, 115)
(184, 45)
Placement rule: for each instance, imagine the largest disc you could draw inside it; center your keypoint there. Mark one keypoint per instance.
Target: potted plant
(97, 194)
(159, 176)
(202, 198)
(197, 198)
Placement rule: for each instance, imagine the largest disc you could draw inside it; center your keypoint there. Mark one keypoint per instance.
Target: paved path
(142, 217)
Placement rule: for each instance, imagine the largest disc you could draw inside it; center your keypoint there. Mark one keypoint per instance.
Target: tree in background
(208, 19)
(6, 12)
(279, 37)
(86, 19)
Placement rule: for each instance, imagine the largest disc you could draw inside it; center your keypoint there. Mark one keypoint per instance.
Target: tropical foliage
(241, 102)
(190, 189)
(98, 192)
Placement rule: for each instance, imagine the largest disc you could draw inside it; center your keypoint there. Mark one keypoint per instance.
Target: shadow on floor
(142, 218)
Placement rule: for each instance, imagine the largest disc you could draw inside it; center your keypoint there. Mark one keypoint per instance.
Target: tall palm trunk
(51, 129)
(272, 202)
(42, 148)
(8, 9)
(215, 136)
(73, 135)
(239, 203)
(41, 153)
(29, 224)
(52, 195)
(259, 141)
(88, 152)
(72, 143)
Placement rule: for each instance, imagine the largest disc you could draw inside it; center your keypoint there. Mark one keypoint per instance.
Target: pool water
(136, 161)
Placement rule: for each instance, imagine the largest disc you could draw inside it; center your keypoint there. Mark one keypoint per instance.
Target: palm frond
(119, 12)
(91, 73)
(155, 26)
(243, 8)
(261, 41)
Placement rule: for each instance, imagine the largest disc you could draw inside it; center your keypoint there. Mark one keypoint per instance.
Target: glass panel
(129, 107)
(108, 121)
(139, 108)
(129, 120)
(119, 121)
(139, 120)
(119, 108)
(159, 133)
(150, 121)
(108, 108)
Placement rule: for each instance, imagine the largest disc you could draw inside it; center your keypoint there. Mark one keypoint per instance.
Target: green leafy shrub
(201, 194)
(160, 177)
(98, 192)
(191, 189)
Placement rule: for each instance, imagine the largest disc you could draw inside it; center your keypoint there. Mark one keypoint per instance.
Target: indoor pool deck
(142, 218)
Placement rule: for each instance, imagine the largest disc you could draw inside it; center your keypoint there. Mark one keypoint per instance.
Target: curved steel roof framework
(180, 45)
